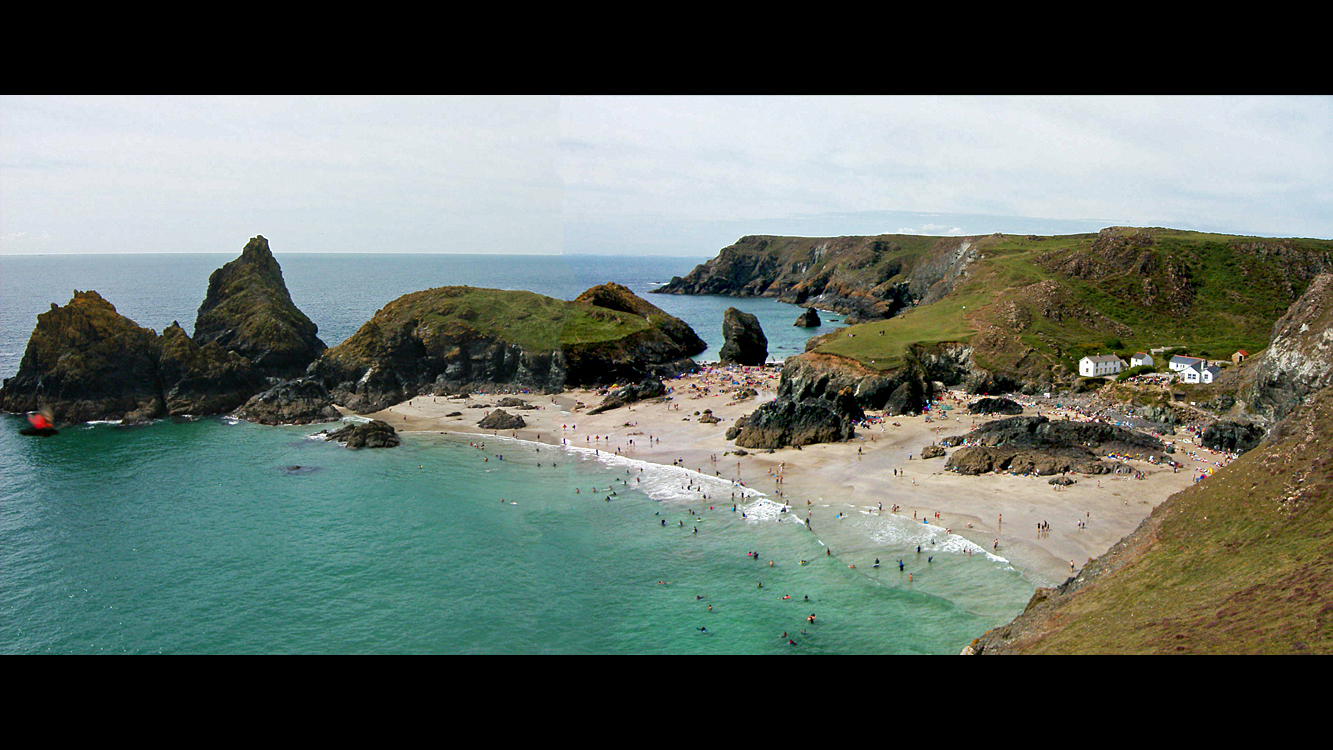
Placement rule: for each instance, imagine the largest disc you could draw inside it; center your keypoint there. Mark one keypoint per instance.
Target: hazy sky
(664, 175)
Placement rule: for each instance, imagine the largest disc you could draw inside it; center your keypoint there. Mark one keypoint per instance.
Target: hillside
(458, 337)
(1028, 307)
(1241, 563)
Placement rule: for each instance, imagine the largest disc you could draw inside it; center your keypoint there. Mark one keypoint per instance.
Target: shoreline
(881, 464)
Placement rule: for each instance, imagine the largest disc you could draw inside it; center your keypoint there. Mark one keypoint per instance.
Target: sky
(678, 175)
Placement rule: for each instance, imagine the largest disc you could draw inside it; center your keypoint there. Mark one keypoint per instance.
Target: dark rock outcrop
(743, 340)
(302, 401)
(650, 388)
(87, 362)
(932, 451)
(997, 405)
(249, 311)
(203, 379)
(372, 434)
(1232, 436)
(1037, 445)
(782, 423)
(501, 420)
(808, 319)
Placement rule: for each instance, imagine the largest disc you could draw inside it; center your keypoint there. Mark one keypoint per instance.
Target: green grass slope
(1028, 304)
(1241, 563)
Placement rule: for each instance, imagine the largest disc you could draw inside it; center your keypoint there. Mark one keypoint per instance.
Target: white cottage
(1099, 365)
(1139, 359)
(1180, 362)
(1200, 373)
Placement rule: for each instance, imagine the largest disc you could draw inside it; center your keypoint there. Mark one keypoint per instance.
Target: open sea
(198, 536)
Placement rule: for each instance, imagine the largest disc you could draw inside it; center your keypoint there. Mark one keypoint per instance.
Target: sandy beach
(881, 467)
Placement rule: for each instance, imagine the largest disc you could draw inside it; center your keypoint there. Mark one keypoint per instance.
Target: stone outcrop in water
(302, 401)
(87, 362)
(744, 342)
(203, 379)
(808, 319)
(249, 311)
(372, 434)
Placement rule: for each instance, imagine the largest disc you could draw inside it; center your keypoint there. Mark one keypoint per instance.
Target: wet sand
(848, 477)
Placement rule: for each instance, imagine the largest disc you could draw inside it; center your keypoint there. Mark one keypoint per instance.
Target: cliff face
(867, 278)
(249, 311)
(203, 379)
(461, 337)
(87, 362)
(1299, 358)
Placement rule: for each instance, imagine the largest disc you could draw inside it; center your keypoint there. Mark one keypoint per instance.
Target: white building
(1099, 365)
(1200, 373)
(1139, 359)
(1179, 362)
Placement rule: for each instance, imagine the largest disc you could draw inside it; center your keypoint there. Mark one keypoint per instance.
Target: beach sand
(855, 476)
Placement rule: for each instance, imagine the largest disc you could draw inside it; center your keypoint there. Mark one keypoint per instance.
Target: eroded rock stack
(744, 342)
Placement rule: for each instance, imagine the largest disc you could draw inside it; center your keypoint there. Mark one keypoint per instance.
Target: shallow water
(209, 536)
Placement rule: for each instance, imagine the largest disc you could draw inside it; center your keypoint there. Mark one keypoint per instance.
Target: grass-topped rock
(443, 339)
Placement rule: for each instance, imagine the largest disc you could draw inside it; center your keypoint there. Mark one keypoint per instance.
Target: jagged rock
(1036, 445)
(87, 362)
(249, 311)
(501, 420)
(454, 414)
(709, 419)
(511, 402)
(744, 342)
(203, 379)
(650, 388)
(1062, 481)
(290, 402)
(735, 428)
(1299, 357)
(1231, 436)
(373, 434)
(808, 319)
(908, 398)
(932, 451)
(780, 423)
(745, 393)
(994, 406)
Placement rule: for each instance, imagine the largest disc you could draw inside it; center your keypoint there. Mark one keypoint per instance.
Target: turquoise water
(200, 536)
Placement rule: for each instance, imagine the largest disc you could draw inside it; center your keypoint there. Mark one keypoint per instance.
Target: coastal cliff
(87, 362)
(248, 311)
(452, 338)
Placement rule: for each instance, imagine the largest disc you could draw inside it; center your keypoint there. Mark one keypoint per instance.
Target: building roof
(1102, 358)
(1182, 359)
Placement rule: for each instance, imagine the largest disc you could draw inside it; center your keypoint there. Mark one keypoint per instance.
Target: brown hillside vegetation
(1240, 563)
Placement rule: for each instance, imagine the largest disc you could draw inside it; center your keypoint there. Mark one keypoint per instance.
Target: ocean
(214, 536)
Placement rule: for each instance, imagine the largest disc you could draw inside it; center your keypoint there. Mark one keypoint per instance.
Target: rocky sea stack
(86, 362)
(808, 319)
(744, 342)
(249, 311)
(451, 338)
